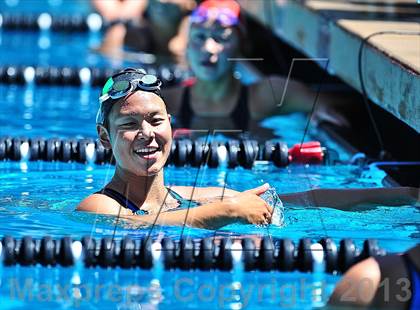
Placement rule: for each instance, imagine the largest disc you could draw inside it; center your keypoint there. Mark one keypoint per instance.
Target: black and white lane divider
(188, 254)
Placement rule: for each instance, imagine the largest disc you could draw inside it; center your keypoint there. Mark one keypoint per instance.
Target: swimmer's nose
(212, 47)
(145, 131)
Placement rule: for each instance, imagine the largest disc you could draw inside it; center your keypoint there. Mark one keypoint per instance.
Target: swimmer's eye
(129, 124)
(157, 121)
(199, 37)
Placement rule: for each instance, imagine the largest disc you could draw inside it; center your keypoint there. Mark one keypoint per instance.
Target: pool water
(31, 205)
(39, 198)
(34, 111)
(38, 208)
(61, 288)
(55, 7)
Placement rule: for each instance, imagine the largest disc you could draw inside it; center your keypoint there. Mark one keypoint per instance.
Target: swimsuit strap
(174, 194)
(240, 114)
(186, 113)
(122, 200)
(183, 202)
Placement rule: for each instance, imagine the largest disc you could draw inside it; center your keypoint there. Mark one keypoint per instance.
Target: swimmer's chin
(150, 172)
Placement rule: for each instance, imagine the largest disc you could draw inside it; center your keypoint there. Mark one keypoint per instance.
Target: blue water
(39, 198)
(39, 208)
(36, 48)
(59, 288)
(38, 110)
(55, 7)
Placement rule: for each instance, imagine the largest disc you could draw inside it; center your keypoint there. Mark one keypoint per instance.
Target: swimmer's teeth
(146, 150)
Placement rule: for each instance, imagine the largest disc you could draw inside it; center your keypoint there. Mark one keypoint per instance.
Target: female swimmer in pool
(215, 98)
(132, 121)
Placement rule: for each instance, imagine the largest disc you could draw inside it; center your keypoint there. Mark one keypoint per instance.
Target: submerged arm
(245, 207)
(345, 199)
(211, 216)
(115, 9)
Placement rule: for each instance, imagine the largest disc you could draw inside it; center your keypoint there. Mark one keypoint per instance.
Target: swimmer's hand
(245, 207)
(248, 207)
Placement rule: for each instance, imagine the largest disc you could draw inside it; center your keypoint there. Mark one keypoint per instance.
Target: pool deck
(335, 31)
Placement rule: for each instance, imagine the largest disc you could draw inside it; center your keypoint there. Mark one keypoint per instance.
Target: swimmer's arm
(211, 216)
(345, 199)
(178, 44)
(348, 292)
(230, 207)
(204, 194)
(115, 9)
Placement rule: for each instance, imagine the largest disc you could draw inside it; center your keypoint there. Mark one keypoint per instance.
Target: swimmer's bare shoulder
(102, 204)
(203, 193)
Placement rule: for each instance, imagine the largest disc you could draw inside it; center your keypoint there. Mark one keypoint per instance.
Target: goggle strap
(103, 98)
(100, 117)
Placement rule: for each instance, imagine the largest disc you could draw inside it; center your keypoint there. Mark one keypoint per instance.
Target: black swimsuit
(125, 202)
(239, 117)
(402, 273)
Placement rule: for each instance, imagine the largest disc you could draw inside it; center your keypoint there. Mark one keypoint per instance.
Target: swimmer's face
(140, 133)
(210, 47)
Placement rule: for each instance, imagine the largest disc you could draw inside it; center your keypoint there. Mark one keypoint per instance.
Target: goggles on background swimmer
(118, 86)
(226, 13)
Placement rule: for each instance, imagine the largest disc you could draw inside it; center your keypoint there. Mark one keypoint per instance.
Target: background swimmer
(384, 282)
(216, 99)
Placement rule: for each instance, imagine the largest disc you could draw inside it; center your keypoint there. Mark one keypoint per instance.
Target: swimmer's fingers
(258, 190)
(270, 210)
(265, 219)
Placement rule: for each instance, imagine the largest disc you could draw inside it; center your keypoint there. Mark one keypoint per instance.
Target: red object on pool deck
(307, 153)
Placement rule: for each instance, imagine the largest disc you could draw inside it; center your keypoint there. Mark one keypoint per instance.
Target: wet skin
(210, 49)
(140, 134)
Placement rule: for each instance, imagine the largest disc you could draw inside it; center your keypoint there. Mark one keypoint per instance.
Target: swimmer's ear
(104, 136)
(169, 117)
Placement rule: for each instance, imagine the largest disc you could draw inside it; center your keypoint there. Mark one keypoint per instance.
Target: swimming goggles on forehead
(225, 17)
(137, 79)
